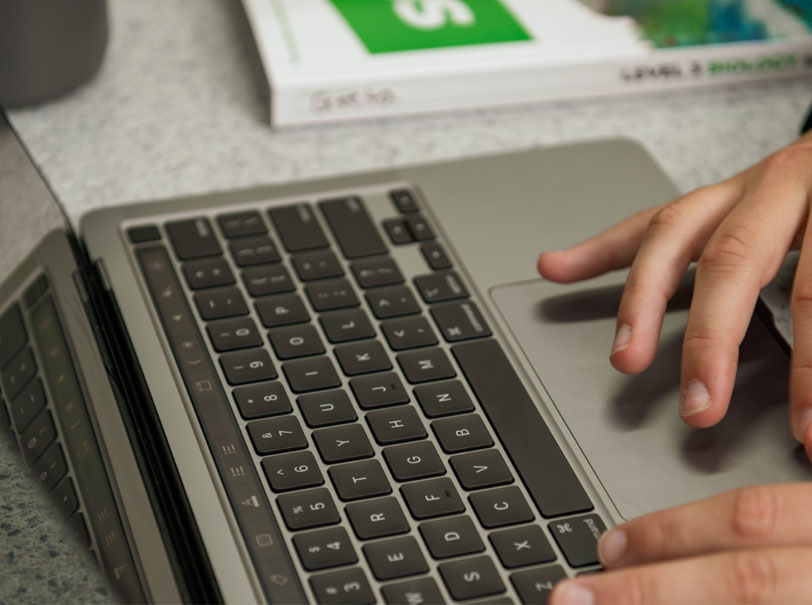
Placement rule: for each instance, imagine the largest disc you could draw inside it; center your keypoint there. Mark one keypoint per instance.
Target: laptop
(357, 389)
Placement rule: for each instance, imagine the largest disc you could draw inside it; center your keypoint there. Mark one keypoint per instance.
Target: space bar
(545, 471)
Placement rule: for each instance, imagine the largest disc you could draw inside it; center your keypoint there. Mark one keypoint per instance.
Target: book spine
(377, 96)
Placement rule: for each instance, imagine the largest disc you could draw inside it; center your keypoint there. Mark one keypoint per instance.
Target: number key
(292, 471)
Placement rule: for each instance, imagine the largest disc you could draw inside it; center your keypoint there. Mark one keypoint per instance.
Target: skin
(739, 232)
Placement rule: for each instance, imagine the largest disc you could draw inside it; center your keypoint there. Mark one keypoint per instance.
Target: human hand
(740, 231)
(748, 546)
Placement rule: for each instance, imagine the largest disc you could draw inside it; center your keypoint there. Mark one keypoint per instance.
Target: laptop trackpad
(628, 427)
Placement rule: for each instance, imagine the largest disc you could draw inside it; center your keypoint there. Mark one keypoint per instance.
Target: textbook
(335, 60)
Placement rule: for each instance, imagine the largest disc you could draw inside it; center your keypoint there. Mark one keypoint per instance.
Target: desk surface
(180, 107)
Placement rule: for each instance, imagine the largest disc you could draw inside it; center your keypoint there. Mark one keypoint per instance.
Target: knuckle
(754, 513)
(729, 250)
(751, 578)
(801, 298)
(790, 158)
(669, 217)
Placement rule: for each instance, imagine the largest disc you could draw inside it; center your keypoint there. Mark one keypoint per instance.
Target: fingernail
(622, 338)
(612, 546)
(801, 422)
(695, 398)
(570, 593)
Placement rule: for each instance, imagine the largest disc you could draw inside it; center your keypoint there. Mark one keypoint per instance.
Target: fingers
(675, 236)
(611, 249)
(760, 516)
(800, 380)
(739, 259)
(757, 577)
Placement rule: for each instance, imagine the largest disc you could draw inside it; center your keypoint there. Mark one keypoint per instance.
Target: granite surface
(180, 107)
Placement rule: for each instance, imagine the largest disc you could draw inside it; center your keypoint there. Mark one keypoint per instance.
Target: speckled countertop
(180, 107)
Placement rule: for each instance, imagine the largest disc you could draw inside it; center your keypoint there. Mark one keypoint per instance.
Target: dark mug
(48, 47)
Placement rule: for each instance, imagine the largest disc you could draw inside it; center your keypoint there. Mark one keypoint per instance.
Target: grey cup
(48, 47)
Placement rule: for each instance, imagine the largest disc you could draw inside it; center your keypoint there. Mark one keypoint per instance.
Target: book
(336, 60)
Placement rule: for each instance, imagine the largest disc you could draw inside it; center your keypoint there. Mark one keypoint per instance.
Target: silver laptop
(357, 390)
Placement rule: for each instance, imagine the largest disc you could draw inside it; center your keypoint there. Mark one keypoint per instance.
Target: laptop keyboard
(365, 406)
(42, 404)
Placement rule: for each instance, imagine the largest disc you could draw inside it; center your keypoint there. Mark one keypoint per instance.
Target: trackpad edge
(628, 427)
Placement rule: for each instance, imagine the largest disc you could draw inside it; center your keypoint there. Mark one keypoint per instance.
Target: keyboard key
(295, 470)
(419, 227)
(322, 264)
(408, 333)
(521, 546)
(193, 239)
(220, 303)
(501, 506)
(461, 433)
(396, 425)
(241, 224)
(460, 321)
(64, 495)
(377, 518)
(281, 310)
(426, 365)
(471, 578)
(311, 374)
(326, 408)
(268, 279)
(443, 398)
(250, 251)
(298, 228)
(356, 480)
(263, 399)
(294, 341)
(143, 233)
(416, 460)
(440, 287)
(273, 435)
(578, 538)
(208, 273)
(347, 325)
(417, 591)
(308, 508)
(485, 468)
(535, 585)
(436, 256)
(553, 486)
(331, 294)
(398, 231)
(376, 272)
(18, 372)
(432, 498)
(38, 436)
(404, 201)
(362, 357)
(352, 227)
(392, 301)
(233, 334)
(451, 537)
(37, 289)
(378, 390)
(342, 587)
(324, 548)
(395, 558)
(51, 467)
(252, 365)
(343, 443)
(27, 404)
